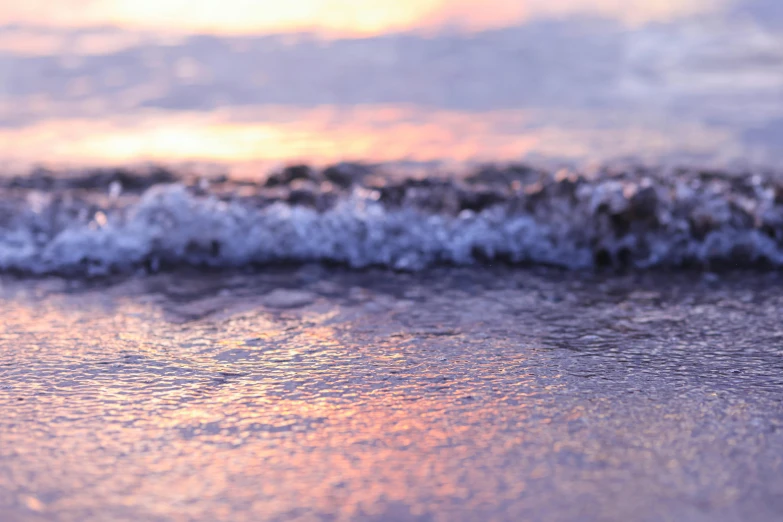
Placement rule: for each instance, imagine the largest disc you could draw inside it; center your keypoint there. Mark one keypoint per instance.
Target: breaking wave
(115, 220)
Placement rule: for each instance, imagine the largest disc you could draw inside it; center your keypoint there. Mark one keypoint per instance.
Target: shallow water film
(318, 393)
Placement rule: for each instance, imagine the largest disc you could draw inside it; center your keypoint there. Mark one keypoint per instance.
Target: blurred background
(245, 84)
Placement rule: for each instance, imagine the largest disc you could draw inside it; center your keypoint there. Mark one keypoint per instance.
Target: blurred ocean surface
(247, 84)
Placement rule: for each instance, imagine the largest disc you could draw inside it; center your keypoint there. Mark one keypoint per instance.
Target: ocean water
(391, 260)
(245, 85)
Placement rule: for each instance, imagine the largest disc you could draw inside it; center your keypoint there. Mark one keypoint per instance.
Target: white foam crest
(170, 225)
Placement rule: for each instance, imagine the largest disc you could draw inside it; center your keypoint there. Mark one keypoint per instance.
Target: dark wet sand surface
(456, 394)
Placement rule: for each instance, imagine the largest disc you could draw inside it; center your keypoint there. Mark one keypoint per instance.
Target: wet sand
(454, 394)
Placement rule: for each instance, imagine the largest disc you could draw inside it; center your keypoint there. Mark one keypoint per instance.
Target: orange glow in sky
(330, 16)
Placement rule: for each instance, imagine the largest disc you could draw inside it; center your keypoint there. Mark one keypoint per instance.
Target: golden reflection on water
(329, 134)
(344, 17)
